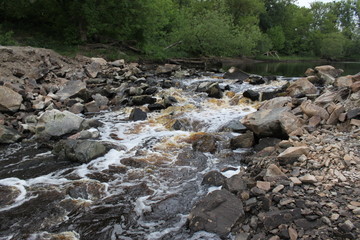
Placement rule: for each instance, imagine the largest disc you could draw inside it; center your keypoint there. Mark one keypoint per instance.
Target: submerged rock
(79, 150)
(8, 135)
(10, 101)
(217, 212)
(55, 123)
(137, 115)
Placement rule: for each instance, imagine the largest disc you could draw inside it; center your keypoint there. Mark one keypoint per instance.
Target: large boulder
(211, 88)
(235, 73)
(55, 123)
(277, 122)
(71, 89)
(217, 212)
(10, 101)
(79, 150)
(275, 103)
(245, 140)
(311, 109)
(301, 86)
(8, 135)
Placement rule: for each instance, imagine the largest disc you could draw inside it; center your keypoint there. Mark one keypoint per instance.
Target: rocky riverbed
(92, 149)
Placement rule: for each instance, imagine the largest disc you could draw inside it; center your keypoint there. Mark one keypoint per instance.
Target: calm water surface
(296, 69)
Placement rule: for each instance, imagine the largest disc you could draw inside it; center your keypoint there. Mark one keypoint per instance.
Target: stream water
(142, 189)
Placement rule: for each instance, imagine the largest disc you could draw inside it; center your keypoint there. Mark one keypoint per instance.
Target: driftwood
(173, 45)
(272, 54)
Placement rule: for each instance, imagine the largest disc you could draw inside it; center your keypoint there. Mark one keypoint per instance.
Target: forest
(188, 28)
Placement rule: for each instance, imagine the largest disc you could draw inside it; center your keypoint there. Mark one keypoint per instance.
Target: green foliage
(277, 37)
(333, 45)
(6, 37)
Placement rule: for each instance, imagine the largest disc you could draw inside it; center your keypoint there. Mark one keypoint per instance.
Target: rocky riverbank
(302, 182)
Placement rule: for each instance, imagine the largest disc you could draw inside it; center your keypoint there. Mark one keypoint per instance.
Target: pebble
(278, 188)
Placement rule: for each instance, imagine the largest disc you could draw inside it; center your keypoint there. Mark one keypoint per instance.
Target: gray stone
(10, 101)
(275, 103)
(167, 68)
(213, 178)
(245, 140)
(273, 219)
(217, 212)
(79, 150)
(253, 95)
(235, 73)
(71, 89)
(8, 135)
(137, 115)
(55, 123)
(278, 122)
(301, 86)
(93, 69)
(211, 88)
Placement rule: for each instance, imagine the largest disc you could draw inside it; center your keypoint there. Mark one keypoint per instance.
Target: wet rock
(86, 189)
(137, 115)
(217, 212)
(236, 184)
(274, 219)
(235, 73)
(256, 79)
(253, 95)
(169, 101)
(205, 143)
(276, 122)
(213, 178)
(167, 68)
(301, 86)
(82, 151)
(211, 88)
(233, 126)
(313, 110)
(142, 99)
(245, 140)
(8, 195)
(156, 107)
(72, 89)
(10, 101)
(132, 162)
(275, 103)
(8, 134)
(192, 158)
(55, 123)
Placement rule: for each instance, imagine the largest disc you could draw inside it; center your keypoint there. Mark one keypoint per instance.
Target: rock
(263, 185)
(213, 178)
(308, 178)
(334, 116)
(301, 86)
(72, 89)
(275, 103)
(92, 107)
(295, 180)
(156, 107)
(344, 81)
(293, 234)
(93, 69)
(294, 152)
(235, 73)
(8, 195)
(167, 68)
(355, 87)
(254, 96)
(347, 226)
(101, 101)
(353, 113)
(137, 115)
(217, 212)
(273, 172)
(256, 79)
(55, 123)
(314, 121)
(309, 72)
(205, 143)
(77, 108)
(327, 70)
(278, 122)
(10, 101)
(82, 151)
(245, 140)
(355, 122)
(235, 184)
(274, 219)
(118, 63)
(8, 135)
(266, 142)
(233, 126)
(313, 110)
(169, 101)
(211, 88)
(142, 99)
(100, 61)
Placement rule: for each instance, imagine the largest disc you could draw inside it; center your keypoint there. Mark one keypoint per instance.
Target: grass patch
(287, 58)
